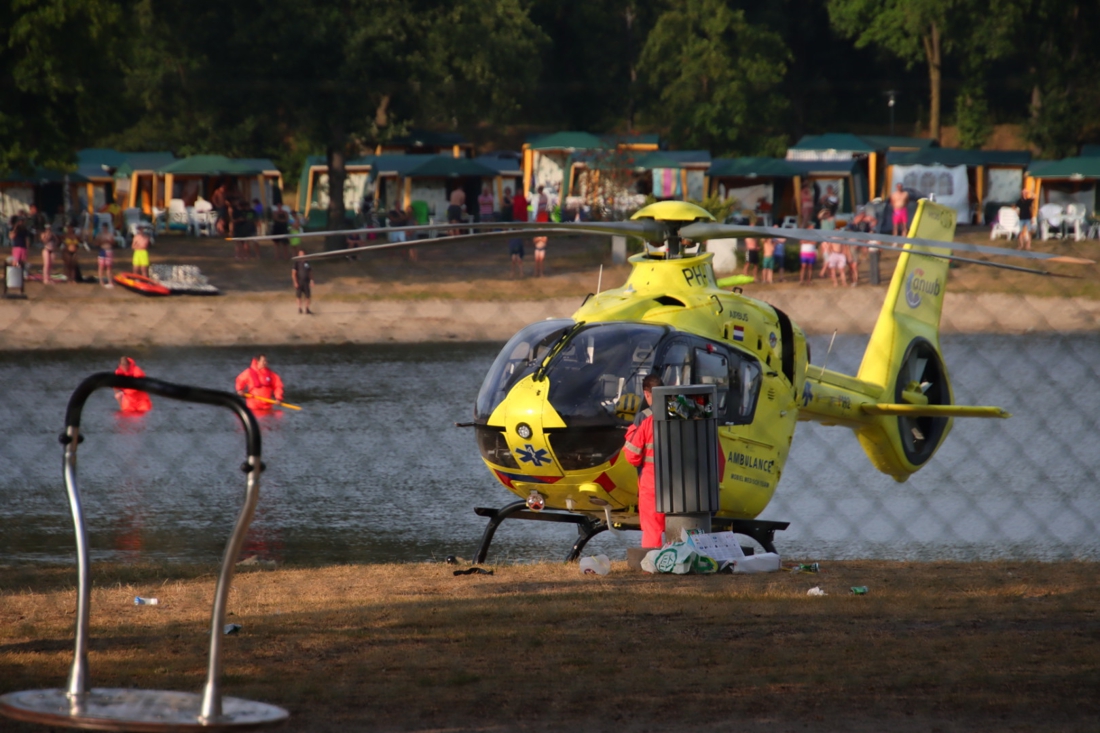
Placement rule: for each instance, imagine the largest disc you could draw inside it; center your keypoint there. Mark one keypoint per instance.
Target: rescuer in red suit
(259, 381)
(131, 400)
(638, 449)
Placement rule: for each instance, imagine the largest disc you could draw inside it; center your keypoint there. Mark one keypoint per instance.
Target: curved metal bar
(78, 676)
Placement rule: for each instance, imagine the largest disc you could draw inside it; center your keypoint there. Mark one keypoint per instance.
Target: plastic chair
(1007, 224)
(177, 216)
(1075, 216)
(1050, 219)
(789, 222)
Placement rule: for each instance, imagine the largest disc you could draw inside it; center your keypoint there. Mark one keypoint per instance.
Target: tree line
(287, 78)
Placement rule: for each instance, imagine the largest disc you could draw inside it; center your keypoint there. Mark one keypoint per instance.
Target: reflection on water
(372, 469)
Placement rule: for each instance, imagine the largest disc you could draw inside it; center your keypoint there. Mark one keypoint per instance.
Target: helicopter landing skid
(587, 527)
(762, 531)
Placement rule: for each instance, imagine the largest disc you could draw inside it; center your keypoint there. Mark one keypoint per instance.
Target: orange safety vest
(261, 383)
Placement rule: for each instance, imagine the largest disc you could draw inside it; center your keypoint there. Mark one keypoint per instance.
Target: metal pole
(78, 675)
(211, 695)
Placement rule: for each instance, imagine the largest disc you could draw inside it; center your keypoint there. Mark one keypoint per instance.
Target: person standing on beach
(140, 246)
(302, 274)
(485, 205)
(768, 265)
(70, 247)
(455, 210)
(280, 227)
(542, 211)
(752, 255)
(516, 212)
(19, 238)
(260, 386)
(807, 254)
(105, 256)
(899, 202)
(49, 250)
(806, 207)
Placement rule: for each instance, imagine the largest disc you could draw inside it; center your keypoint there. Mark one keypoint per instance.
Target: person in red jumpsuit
(259, 381)
(638, 450)
(131, 400)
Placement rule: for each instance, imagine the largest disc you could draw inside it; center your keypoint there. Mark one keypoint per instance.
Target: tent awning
(43, 176)
(752, 168)
(143, 162)
(445, 166)
(953, 157)
(567, 141)
(1073, 169)
(825, 168)
(211, 165)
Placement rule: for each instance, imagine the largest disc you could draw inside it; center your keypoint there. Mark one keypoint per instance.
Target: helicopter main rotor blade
(705, 230)
(544, 231)
(646, 230)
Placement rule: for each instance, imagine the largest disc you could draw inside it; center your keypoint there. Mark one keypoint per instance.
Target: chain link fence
(373, 468)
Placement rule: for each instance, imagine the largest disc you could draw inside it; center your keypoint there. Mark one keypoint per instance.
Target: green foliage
(1062, 39)
(59, 63)
(973, 119)
(713, 78)
(719, 207)
(898, 26)
(1056, 125)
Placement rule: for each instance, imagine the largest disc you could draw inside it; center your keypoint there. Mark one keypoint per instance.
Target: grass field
(1007, 646)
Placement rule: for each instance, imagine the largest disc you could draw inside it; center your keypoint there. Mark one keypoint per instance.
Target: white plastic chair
(1050, 219)
(1075, 217)
(204, 218)
(1007, 224)
(177, 216)
(135, 224)
(789, 222)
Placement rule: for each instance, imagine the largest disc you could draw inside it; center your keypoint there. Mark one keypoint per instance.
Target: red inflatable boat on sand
(141, 284)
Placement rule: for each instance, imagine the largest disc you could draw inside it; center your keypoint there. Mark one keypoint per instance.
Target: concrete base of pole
(675, 523)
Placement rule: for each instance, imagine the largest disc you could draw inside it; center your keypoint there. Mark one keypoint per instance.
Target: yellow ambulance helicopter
(551, 415)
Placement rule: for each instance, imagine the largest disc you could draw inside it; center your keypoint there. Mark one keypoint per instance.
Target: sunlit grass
(413, 647)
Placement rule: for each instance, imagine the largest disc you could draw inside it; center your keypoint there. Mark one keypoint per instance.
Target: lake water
(372, 469)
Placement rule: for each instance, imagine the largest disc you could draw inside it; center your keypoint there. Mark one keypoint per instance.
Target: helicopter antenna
(831, 342)
(599, 280)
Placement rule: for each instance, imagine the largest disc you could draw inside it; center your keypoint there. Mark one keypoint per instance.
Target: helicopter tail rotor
(900, 403)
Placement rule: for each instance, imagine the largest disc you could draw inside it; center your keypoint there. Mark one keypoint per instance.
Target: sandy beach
(259, 320)
(466, 295)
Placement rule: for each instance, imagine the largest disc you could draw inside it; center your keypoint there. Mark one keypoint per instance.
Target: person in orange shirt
(259, 381)
(638, 450)
(131, 400)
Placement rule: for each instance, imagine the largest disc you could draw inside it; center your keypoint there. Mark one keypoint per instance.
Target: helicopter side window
(736, 375)
(676, 365)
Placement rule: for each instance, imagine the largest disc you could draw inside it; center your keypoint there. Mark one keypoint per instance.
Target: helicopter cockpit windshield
(521, 356)
(597, 365)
